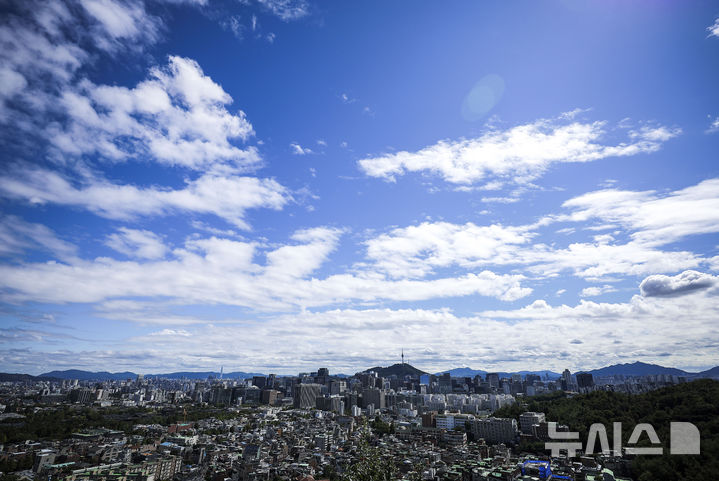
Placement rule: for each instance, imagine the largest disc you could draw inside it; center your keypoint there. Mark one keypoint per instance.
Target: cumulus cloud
(18, 236)
(655, 218)
(517, 155)
(43, 46)
(594, 291)
(416, 251)
(222, 271)
(177, 116)
(121, 22)
(714, 29)
(581, 336)
(679, 285)
(297, 149)
(225, 197)
(136, 243)
(714, 126)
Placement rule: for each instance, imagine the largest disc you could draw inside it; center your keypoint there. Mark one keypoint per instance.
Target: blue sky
(279, 185)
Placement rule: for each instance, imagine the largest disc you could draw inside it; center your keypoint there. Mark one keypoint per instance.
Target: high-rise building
(305, 395)
(270, 396)
(494, 430)
(374, 396)
(585, 380)
(259, 381)
(529, 419)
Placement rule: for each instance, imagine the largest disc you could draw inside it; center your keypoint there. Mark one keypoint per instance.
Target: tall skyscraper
(585, 380)
(306, 395)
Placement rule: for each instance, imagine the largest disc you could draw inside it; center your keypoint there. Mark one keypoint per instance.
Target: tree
(370, 467)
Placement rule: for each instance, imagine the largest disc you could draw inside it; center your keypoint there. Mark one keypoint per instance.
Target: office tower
(585, 380)
(259, 381)
(529, 419)
(306, 395)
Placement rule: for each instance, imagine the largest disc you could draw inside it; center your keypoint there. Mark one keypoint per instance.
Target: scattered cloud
(120, 22)
(681, 284)
(420, 249)
(714, 126)
(223, 271)
(234, 25)
(517, 155)
(714, 29)
(287, 10)
(141, 244)
(224, 197)
(581, 336)
(594, 291)
(654, 218)
(346, 99)
(18, 236)
(297, 149)
(415, 251)
(176, 117)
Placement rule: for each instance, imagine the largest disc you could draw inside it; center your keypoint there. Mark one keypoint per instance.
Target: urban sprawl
(305, 427)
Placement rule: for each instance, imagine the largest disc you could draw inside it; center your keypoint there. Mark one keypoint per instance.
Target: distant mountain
(204, 375)
(631, 369)
(120, 376)
(712, 373)
(90, 376)
(399, 370)
(7, 377)
(469, 372)
(463, 372)
(637, 369)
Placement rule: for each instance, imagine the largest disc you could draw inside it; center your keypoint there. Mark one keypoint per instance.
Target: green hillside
(696, 402)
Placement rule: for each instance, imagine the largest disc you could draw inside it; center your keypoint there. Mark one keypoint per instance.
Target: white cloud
(679, 285)
(234, 24)
(17, 236)
(678, 331)
(519, 154)
(176, 117)
(286, 9)
(141, 244)
(297, 149)
(44, 44)
(714, 127)
(714, 29)
(594, 291)
(415, 251)
(121, 22)
(225, 197)
(222, 271)
(656, 219)
(346, 99)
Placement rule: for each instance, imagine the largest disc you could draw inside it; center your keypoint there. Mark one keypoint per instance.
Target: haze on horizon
(282, 185)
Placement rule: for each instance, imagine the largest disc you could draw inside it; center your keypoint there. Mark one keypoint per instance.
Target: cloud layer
(519, 154)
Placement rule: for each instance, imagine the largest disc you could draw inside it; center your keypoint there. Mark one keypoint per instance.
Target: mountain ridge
(626, 369)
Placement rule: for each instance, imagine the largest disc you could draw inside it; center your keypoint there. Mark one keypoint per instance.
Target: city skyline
(276, 185)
